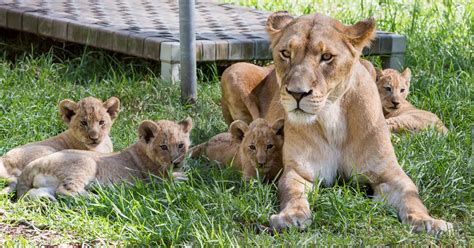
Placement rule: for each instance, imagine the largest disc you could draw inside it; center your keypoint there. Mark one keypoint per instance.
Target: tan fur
(161, 146)
(253, 149)
(334, 122)
(400, 115)
(92, 134)
(243, 93)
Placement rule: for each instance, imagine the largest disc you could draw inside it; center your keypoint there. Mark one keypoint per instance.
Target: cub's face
(166, 142)
(313, 56)
(90, 119)
(393, 88)
(260, 142)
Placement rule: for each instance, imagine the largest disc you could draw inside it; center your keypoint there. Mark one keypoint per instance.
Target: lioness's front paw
(430, 225)
(286, 219)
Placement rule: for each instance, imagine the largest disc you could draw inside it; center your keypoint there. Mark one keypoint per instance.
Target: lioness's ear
(361, 33)
(406, 74)
(147, 131)
(378, 73)
(67, 108)
(186, 124)
(238, 129)
(277, 21)
(278, 126)
(113, 106)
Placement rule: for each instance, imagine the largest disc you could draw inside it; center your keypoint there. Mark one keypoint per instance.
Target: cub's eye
(101, 122)
(326, 57)
(164, 147)
(387, 89)
(402, 90)
(180, 146)
(285, 54)
(84, 123)
(270, 146)
(252, 147)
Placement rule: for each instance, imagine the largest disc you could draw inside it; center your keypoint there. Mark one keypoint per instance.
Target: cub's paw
(40, 193)
(430, 225)
(179, 176)
(391, 124)
(286, 219)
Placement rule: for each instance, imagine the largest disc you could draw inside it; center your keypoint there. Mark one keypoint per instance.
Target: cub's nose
(177, 163)
(395, 103)
(298, 94)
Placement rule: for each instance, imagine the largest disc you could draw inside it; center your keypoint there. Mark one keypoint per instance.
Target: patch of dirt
(41, 235)
(28, 231)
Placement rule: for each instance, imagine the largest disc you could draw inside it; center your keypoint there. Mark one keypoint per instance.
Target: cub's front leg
(294, 206)
(414, 121)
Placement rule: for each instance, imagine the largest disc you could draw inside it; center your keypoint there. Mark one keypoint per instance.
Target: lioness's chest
(317, 150)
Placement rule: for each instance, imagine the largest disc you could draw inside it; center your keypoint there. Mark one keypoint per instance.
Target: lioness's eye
(387, 89)
(285, 54)
(84, 123)
(326, 57)
(269, 146)
(252, 147)
(180, 145)
(164, 147)
(101, 122)
(402, 90)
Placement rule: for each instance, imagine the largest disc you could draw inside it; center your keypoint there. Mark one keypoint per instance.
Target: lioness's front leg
(400, 191)
(293, 192)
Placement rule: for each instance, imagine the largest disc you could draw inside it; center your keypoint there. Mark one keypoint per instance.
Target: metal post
(187, 41)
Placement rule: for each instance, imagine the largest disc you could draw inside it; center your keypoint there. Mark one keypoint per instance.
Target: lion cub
(161, 146)
(400, 115)
(253, 149)
(89, 123)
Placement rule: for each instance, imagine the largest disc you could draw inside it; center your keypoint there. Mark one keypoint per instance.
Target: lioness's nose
(297, 94)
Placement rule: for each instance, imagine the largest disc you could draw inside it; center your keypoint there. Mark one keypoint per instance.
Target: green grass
(215, 207)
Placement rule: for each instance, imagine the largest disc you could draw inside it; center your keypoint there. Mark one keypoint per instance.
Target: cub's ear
(186, 124)
(67, 109)
(406, 74)
(278, 126)
(113, 106)
(378, 73)
(361, 33)
(238, 129)
(147, 131)
(277, 21)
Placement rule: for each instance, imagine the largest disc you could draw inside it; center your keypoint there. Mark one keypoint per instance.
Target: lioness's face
(313, 56)
(90, 119)
(261, 142)
(166, 142)
(393, 88)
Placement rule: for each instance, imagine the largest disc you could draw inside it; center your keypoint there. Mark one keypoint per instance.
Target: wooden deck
(150, 29)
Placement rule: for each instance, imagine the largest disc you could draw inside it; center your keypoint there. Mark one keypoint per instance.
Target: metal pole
(187, 41)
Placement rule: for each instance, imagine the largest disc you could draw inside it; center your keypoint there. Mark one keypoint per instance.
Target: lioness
(252, 149)
(89, 122)
(334, 121)
(400, 115)
(161, 146)
(248, 91)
